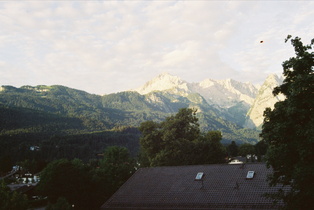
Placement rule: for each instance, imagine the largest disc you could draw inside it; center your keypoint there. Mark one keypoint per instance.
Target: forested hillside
(70, 123)
(57, 136)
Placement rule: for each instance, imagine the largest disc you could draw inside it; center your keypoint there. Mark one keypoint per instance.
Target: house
(235, 161)
(34, 148)
(198, 187)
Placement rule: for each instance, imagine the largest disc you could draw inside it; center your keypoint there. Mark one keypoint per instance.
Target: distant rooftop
(223, 187)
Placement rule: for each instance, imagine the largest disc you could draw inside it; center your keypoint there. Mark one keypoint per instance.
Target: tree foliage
(178, 141)
(61, 204)
(233, 149)
(82, 185)
(260, 148)
(117, 166)
(5, 164)
(11, 200)
(68, 179)
(289, 129)
(246, 149)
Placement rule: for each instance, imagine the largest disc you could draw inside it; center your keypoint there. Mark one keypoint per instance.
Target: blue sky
(110, 46)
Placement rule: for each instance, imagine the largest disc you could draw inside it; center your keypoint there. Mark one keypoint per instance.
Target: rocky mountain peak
(224, 93)
(164, 81)
(239, 87)
(273, 79)
(207, 83)
(264, 99)
(244, 99)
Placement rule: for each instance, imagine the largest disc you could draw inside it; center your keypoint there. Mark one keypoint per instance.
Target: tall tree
(178, 141)
(232, 149)
(288, 129)
(209, 149)
(260, 149)
(117, 166)
(114, 169)
(166, 143)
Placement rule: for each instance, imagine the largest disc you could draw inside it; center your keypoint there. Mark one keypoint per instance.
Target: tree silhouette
(288, 129)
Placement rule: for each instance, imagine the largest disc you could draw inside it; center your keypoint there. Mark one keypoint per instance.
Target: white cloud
(109, 46)
(2, 63)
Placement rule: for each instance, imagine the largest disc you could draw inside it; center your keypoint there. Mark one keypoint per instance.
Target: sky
(105, 47)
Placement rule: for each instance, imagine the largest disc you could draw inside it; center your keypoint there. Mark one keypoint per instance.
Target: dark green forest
(57, 136)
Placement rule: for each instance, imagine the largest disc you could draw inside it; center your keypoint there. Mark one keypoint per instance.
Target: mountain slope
(264, 99)
(97, 113)
(57, 100)
(21, 120)
(56, 136)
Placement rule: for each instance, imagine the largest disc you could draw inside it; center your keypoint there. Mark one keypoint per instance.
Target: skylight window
(199, 176)
(250, 175)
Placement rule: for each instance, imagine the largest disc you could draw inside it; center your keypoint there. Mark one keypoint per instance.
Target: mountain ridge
(222, 92)
(58, 118)
(242, 100)
(225, 105)
(127, 108)
(234, 101)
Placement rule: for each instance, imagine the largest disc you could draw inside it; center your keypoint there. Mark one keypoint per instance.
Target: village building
(219, 186)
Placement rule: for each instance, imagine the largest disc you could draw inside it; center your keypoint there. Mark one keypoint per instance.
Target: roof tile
(223, 186)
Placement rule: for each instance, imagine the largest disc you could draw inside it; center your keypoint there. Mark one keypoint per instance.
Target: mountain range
(233, 107)
(241, 103)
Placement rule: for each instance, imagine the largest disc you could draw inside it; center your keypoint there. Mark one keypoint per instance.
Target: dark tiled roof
(224, 186)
